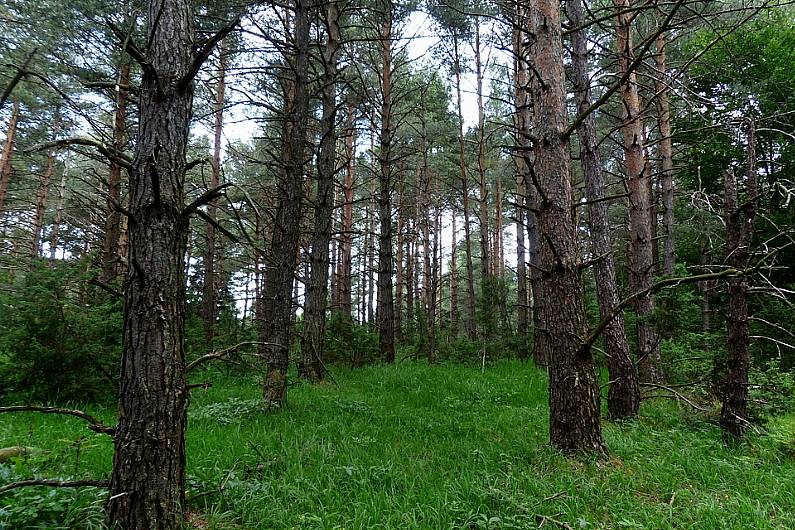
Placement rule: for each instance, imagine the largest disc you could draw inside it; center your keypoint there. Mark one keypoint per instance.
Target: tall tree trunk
(469, 319)
(8, 151)
(453, 279)
(147, 485)
(641, 254)
(399, 267)
(311, 365)
(277, 302)
(486, 265)
(110, 243)
(386, 314)
(210, 290)
(521, 157)
(623, 397)
(666, 156)
(346, 241)
(573, 387)
(43, 193)
(739, 236)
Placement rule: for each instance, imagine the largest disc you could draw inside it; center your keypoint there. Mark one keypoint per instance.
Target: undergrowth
(413, 446)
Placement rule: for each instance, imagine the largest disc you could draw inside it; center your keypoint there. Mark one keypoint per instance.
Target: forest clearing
(397, 264)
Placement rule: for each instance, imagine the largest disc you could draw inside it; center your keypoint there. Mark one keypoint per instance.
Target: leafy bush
(59, 341)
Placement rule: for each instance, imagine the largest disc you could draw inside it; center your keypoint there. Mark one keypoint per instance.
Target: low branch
(55, 484)
(94, 424)
(675, 395)
(219, 354)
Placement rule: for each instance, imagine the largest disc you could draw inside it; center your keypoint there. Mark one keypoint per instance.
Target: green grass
(437, 447)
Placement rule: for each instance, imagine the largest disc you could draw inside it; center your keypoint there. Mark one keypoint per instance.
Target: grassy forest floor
(414, 446)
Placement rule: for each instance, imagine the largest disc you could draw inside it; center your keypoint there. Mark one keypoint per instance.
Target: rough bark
(8, 151)
(453, 279)
(110, 243)
(210, 288)
(739, 235)
(42, 194)
(623, 397)
(277, 301)
(147, 486)
(311, 364)
(386, 314)
(641, 253)
(573, 387)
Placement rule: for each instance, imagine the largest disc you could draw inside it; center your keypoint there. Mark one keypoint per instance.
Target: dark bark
(739, 236)
(623, 398)
(454, 279)
(110, 243)
(386, 313)
(486, 265)
(59, 209)
(276, 309)
(641, 253)
(311, 364)
(210, 290)
(573, 387)
(147, 487)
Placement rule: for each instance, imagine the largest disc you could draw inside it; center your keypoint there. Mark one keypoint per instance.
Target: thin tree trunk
(42, 194)
(485, 251)
(147, 485)
(641, 255)
(210, 290)
(739, 236)
(59, 209)
(623, 399)
(453, 279)
(573, 387)
(277, 301)
(311, 365)
(346, 242)
(666, 157)
(521, 158)
(399, 267)
(469, 319)
(110, 244)
(386, 314)
(8, 151)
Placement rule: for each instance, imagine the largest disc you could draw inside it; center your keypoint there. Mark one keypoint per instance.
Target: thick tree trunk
(210, 290)
(147, 486)
(110, 243)
(739, 236)
(311, 365)
(623, 397)
(386, 313)
(641, 254)
(469, 319)
(666, 157)
(573, 387)
(277, 301)
(8, 151)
